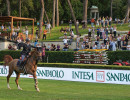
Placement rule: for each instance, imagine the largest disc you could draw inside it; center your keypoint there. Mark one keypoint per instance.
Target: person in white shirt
(65, 40)
(128, 46)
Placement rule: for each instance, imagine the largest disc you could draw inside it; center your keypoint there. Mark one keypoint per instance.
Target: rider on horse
(25, 52)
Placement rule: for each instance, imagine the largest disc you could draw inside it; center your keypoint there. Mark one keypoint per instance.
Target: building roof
(8, 19)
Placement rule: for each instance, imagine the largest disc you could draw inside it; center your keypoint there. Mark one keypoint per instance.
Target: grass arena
(52, 88)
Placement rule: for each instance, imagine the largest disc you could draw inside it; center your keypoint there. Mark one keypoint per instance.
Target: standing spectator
(89, 32)
(124, 46)
(119, 41)
(111, 30)
(107, 45)
(70, 24)
(114, 30)
(26, 32)
(127, 39)
(99, 21)
(106, 21)
(48, 27)
(101, 30)
(106, 31)
(93, 32)
(2, 27)
(110, 21)
(44, 34)
(92, 22)
(37, 36)
(37, 24)
(77, 22)
(77, 42)
(103, 33)
(113, 44)
(98, 31)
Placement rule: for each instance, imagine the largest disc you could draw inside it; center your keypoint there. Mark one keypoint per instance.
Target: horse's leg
(35, 79)
(16, 80)
(36, 82)
(10, 73)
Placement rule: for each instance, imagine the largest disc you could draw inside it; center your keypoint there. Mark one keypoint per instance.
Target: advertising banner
(75, 74)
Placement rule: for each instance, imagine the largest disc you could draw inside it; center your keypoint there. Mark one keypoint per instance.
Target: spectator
(114, 30)
(48, 47)
(65, 33)
(92, 22)
(77, 42)
(77, 22)
(44, 34)
(98, 31)
(119, 41)
(70, 24)
(83, 46)
(37, 36)
(127, 39)
(14, 47)
(65, 40)
(9, 47)
(113, 44)
(35, 43)
(89, 32)
(58, 47)
(128, 46)
(66, 47)
(93, 32)
(124, 46)
(26, 32)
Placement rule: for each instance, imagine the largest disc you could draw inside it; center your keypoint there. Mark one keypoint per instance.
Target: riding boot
(21, 65)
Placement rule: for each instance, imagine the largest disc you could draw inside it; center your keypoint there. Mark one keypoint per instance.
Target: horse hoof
(9, 88)
(38, 90)
(20, 89)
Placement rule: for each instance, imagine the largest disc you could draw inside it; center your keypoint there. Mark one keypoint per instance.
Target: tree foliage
(32, 8)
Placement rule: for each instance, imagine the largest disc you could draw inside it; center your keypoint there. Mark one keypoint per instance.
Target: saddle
(21, 64)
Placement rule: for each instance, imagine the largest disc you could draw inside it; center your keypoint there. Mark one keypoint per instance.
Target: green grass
(55, 32)
(62, 90)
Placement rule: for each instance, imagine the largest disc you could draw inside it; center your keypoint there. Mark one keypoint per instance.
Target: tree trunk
(127, 12)
(8, 7)
(46, 16)
(20, 11)
(111, 7)
(74, 18)
(57, 12)
(53, 18)
(41, 19)
(85, 12)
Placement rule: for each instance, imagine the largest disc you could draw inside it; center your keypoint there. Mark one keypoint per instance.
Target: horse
(30, 67)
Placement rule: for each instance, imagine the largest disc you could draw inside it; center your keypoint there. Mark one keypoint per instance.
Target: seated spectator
(48, 47)
(14, 47)
(124, 46)
(128, 46)
(66, 47)
(35, 43)
(94, 46)
(58, 47)
(65, 33)
(61, 30)
(44, 46)
(9, 47)
(86, 46)
(65, 40)
(19, 40)
(83, 46)
(102, 46)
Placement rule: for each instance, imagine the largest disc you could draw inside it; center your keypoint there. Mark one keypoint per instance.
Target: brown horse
(30, 67)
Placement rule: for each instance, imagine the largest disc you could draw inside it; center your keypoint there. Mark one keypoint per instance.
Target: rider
(25, 52)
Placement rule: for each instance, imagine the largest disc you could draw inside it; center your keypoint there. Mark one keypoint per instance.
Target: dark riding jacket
(26, 48)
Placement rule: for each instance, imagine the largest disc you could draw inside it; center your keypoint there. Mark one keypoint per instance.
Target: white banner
(75, 74)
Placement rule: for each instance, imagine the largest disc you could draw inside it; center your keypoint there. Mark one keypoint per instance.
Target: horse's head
(36, 54)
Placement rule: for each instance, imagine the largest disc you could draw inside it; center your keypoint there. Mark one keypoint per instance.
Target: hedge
(68, 56)
(85, 66)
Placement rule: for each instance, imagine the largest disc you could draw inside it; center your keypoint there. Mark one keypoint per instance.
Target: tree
(20, 10)
(53, 17)
(46, 16)
(127, 12)
(111, 7)
(57, 12)
(73, 15)
(85, 12)
(41, 17)
(8, 7)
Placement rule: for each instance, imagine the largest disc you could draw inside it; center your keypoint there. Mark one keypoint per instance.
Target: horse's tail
(7, 59)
